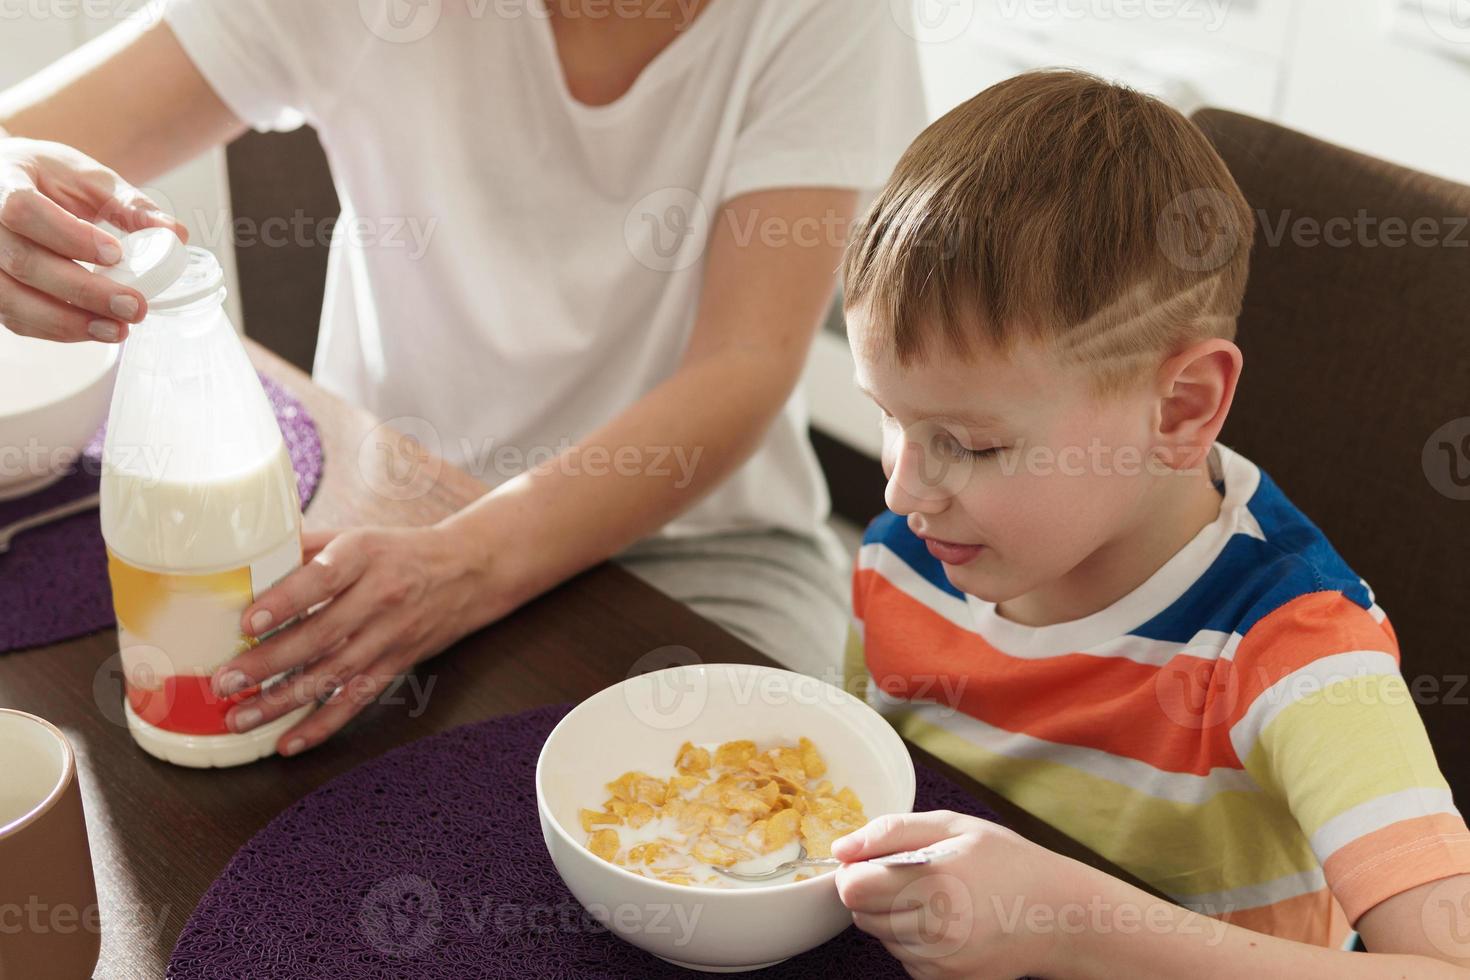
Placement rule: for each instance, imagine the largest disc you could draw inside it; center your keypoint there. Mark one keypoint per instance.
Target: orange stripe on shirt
(1315, 917)
(1073, 699)
(1306, 629)
(1393, 859)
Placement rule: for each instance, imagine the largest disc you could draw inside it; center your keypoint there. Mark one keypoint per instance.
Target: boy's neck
(1183, 506)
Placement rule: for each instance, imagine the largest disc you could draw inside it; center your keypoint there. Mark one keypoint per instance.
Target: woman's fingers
(46, 272)
(31, 313)
(101, 195)
(335, 567)
(293, 691)
(36, 218)
(357, 693)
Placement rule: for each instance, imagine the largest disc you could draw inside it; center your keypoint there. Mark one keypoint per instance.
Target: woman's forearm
(626, 480)
(130, 99)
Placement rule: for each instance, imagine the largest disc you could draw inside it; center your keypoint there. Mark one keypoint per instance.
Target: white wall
(34, 34)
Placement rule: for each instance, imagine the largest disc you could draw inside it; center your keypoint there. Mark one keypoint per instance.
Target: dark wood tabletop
(161, 833)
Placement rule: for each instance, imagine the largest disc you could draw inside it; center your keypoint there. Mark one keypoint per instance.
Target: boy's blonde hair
(1059, 207)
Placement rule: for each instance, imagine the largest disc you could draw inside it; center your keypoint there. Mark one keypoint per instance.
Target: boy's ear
(1196, 387)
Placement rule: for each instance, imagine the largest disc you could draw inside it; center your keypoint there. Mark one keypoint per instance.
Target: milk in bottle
(199, 507)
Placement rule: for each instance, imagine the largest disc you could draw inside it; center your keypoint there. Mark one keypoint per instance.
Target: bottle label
(174, 630)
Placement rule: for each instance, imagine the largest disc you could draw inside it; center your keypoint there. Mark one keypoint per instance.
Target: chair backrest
(1356, 390)
(282, 197)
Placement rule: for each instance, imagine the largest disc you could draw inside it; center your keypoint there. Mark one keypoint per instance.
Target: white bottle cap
(168, 273)
(152, 260)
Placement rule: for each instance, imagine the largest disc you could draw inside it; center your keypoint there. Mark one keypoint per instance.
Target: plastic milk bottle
(199, 506)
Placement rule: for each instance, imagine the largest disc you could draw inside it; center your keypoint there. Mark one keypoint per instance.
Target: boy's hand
(962, 916)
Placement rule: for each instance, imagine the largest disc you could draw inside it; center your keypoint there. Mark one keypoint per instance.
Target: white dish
(640, 723)
(53, 398)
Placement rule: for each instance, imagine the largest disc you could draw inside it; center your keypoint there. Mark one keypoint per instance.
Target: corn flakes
(724, 805)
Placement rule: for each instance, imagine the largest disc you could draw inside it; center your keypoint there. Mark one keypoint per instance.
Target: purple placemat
(428, 862)
(53, 581)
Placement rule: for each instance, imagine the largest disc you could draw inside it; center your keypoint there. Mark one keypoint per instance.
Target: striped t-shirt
(1235, 731)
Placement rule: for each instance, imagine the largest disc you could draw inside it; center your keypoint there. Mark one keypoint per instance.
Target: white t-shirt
(514, 267)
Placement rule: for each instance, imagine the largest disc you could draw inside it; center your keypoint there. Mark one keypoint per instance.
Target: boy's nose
(914, 485)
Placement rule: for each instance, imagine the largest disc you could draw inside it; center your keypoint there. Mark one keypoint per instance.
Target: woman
(636, 211)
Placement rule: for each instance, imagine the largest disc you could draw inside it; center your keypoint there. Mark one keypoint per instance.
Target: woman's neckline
(680, 48)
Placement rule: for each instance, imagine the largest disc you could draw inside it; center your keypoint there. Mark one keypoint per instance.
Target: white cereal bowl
(53, 398)
(640, 724)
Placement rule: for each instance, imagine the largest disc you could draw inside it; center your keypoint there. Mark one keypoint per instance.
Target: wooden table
(160, 834)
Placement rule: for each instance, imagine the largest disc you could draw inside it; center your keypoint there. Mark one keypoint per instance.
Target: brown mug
(50, 925)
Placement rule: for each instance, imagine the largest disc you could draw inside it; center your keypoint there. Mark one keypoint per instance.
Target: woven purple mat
(428, 862)
(53, 581)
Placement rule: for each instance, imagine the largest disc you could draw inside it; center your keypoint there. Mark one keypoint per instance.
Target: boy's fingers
(894, 832)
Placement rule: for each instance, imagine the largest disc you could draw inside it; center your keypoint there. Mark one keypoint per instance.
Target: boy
(1083, 600)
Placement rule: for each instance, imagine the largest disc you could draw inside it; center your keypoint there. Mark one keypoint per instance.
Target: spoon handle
(45, 517)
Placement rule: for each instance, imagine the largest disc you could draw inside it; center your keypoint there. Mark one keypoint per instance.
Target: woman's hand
(992, 910)
(49, 196)
(393, 597)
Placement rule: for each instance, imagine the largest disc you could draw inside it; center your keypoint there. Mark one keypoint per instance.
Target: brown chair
(276, 178)
(1357, 356)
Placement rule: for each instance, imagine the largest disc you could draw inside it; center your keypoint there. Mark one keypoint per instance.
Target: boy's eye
(944, 443)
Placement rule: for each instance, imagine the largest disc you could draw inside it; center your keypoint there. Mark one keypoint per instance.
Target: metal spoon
(8, 532)
(921, 856)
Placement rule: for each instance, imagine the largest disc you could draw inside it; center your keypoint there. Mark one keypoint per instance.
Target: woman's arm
(130, 99)
(762, 303)
(398, 596)
(73, 139)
